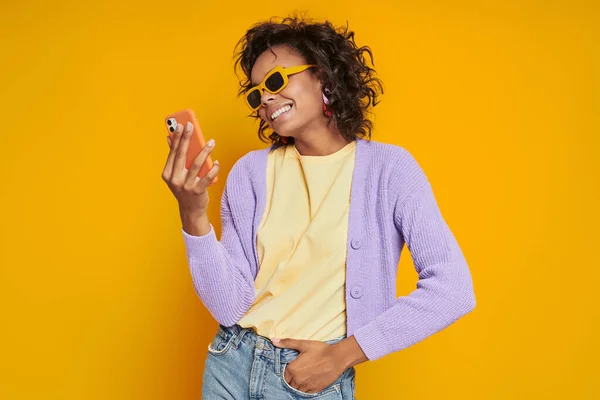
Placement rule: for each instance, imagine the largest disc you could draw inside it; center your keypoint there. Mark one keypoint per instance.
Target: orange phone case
(197, 141)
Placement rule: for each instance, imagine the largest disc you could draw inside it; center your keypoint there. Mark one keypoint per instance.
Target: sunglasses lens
(254, 98)
(274, 82)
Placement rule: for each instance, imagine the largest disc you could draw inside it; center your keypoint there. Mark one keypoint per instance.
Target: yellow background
(497, 100)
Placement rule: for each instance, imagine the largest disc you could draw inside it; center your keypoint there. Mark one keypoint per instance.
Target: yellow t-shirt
(301, 244)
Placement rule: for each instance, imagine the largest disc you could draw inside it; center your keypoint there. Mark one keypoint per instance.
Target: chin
(290, 129)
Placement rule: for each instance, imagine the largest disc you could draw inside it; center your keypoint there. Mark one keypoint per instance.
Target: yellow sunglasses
(274, 82)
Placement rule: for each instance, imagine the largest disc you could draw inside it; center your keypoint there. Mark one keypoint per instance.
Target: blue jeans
(241, 364)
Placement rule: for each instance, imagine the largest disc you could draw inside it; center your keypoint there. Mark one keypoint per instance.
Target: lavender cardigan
(391, 203)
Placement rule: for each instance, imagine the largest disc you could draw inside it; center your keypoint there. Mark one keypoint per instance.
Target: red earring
(325, 102)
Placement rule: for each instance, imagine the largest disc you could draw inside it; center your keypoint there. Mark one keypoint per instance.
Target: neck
(320, 143)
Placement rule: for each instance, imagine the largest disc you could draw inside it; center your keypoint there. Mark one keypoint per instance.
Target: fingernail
(210, 143)
(189, 127)
(275, 340)
(217, 162)
(179, 128)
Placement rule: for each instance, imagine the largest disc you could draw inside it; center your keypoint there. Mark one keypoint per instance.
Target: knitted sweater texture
(391, 204)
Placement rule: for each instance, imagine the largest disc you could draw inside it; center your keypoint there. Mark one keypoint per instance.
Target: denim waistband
(264, 344)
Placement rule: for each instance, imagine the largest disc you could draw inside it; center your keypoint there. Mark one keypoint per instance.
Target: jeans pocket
(331, 392)
(220, 343)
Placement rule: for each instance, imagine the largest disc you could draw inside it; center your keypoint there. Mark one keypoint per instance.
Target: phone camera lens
(172, 129)
(169, 122)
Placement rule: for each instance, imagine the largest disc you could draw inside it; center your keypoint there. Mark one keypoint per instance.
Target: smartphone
(197, 141)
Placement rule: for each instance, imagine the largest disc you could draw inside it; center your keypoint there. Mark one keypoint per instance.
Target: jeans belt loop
(277, 360)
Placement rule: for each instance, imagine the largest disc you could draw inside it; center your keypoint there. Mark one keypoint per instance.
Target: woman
(313, 227)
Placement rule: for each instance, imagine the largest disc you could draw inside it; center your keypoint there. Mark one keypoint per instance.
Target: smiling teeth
(280, 111)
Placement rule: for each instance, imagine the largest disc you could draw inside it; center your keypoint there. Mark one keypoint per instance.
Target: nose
(266, 96)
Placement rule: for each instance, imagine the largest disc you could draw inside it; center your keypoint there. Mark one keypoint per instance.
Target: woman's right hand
(189, 190)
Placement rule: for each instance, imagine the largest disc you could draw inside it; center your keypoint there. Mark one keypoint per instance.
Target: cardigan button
(356, 292)
(355, 243)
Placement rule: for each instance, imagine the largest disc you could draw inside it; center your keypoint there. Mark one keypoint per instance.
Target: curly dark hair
(349, 82)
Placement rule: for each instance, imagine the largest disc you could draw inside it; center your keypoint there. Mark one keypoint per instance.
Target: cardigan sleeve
(444, 290)
(220, 271)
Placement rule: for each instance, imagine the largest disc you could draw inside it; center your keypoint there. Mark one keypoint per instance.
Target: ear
(325, 90)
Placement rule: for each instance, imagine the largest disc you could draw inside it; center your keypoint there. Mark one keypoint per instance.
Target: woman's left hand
(316, 367)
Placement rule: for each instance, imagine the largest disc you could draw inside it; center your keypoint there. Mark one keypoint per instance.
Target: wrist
(347, 353)
(195, 223)
(192, 213)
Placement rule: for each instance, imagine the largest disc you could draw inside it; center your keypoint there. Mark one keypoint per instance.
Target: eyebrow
(252, 83)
